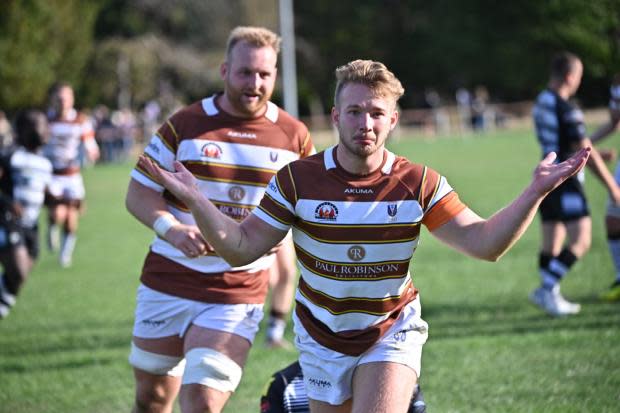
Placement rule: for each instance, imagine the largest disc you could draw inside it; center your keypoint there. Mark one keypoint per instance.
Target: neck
(561, 89)
(359, 164)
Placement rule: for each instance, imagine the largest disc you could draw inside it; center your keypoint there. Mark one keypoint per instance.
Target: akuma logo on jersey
(326, 211)
(358, 191)
(211, 150)
(243, 135)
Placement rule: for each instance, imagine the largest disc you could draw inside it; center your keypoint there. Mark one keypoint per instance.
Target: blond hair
(373, 74)
(254, 36)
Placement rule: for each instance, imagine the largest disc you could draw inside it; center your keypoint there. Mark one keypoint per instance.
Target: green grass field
(64, 346)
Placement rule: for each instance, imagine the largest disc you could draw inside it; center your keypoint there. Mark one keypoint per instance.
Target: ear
(335, 115)
(223, 70)
(394, 119)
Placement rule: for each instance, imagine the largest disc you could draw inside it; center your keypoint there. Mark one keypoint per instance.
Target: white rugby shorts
(67, 187)
(162, 315)
(328, 374)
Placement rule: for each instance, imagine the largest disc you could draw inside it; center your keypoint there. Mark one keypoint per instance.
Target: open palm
(181, 183)
(549, 175)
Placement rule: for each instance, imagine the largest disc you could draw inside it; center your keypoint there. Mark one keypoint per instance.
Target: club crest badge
(392, 209)
(326, 211)
(211, 150)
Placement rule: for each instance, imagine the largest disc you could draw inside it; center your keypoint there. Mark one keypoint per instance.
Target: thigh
(227, 328)
(317, 406)
(553, 236)
(403, 342)
(232, 345)
(579, 235)
(160, 321)
(383, 387)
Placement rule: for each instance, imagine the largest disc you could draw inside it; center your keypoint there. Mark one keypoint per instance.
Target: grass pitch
(64, 346)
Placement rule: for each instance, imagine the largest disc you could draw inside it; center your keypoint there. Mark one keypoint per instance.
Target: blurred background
(480, 61)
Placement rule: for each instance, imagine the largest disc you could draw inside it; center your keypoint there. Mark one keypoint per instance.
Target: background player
(196, 315)
(24, 176)
(70, 131)
(566, 222)
(285, 393)
(612, 218)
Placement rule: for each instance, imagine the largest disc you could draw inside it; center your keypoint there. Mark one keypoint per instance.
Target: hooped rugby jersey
(354, 238)
(24, 177)
(558, 126)
(233, 160)
(66, 137)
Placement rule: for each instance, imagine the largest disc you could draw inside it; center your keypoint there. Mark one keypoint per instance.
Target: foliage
(175, 47)
(42, 41)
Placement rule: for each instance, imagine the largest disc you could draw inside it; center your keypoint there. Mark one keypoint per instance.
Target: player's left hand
(548, 176)
(181, 182)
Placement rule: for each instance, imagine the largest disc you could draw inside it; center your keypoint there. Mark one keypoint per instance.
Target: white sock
(68, 245)
(53, 234)
(5, 295)
(275, 329)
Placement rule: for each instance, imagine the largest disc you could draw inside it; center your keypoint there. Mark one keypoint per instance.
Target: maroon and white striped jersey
(66, 136)
(233, 159)
(355, 237)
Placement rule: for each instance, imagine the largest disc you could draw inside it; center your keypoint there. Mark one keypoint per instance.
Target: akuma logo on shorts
(322, 383)
(211, 150)
(326, 211)
(153, 323)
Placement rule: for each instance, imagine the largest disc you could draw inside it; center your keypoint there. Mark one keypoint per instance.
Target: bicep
(460, 232)
(141, 201)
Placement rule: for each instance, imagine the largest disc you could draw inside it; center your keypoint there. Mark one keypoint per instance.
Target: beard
(238, 99)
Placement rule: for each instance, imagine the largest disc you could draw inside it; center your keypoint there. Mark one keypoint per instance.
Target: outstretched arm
(489, 239)
(238, 243)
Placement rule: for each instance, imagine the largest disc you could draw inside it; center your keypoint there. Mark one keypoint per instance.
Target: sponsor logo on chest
(211, 150)
(326, 211)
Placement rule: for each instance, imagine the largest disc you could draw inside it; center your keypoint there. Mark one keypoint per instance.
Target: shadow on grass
(56, 365)
(66, 338)
(451, 320)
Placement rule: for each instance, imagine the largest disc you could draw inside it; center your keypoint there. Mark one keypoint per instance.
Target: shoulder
(409, 171)
(312, 165)
(190, 111)
(290, 125)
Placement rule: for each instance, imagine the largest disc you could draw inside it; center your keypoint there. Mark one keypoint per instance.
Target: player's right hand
(188, 240)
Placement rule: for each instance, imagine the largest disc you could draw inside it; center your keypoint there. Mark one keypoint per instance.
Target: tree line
(126, 52)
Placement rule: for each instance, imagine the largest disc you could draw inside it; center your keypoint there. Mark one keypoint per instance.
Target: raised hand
(181, 182)
(548, 176)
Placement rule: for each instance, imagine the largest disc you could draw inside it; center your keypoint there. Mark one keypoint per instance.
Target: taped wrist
(163, 224)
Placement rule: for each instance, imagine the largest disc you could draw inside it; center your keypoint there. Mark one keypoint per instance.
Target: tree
(42, 41)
